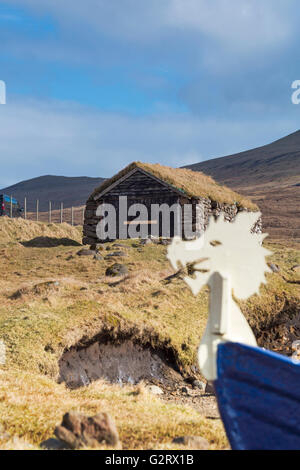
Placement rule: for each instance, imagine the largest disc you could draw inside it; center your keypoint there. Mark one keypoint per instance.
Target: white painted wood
(140, 222)
(229, 259)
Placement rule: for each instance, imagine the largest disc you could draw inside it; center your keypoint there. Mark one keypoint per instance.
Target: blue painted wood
(258, 394)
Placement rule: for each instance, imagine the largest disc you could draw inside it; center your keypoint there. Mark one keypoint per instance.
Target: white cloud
(241, 24)
(211, 26)
(63, 138)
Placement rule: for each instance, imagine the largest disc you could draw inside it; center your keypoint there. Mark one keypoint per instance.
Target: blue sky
(94, 85)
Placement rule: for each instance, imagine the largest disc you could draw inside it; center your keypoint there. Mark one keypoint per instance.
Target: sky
(93, 85)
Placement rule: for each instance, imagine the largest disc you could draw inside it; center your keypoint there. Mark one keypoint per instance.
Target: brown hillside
(270, 176)
(72, 191)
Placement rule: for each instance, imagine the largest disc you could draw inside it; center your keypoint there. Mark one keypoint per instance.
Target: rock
(97, 247)
(79, 431)
(209, 389)
(192, 442)
(165, 242)
(147, 241)
(98, 257)
(274, 267)
(187, 391)
(296, 268)
(154, 389)
(116, 254)
(117, 270)
(54, 444)
(86, 252)
(198, 384)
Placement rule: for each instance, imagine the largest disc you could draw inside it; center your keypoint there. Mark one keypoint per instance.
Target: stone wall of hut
(202, 210)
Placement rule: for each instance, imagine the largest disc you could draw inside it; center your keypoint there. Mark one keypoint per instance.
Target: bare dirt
(126, 363)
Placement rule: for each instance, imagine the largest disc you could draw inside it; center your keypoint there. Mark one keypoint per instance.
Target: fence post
(11, 207)
(61, 212)
(37, 210)
(83, 210)
(72, 216)
(25, 208)
(50, 207)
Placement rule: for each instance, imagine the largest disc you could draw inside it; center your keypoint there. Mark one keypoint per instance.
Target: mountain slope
(71, 191)
(270, 176)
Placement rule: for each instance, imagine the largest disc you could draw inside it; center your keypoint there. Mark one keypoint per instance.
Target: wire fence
(56, 213)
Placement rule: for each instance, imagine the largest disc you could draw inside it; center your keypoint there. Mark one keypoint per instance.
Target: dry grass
(15, 230)
(192, 184)
(78, 215)
(31, 406)
(50, 299)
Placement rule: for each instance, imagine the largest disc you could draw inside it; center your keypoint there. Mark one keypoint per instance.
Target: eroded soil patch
(127, 362)
(280, 334)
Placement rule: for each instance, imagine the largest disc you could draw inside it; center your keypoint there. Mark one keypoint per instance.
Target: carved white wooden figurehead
(231, 261)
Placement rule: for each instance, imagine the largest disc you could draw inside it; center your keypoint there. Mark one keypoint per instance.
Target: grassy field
(51, 299)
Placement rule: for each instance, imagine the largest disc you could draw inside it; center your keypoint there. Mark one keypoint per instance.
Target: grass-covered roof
(190, 183)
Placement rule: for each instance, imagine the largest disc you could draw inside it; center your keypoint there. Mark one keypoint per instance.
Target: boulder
(97, 247)
(154, 389)
(98, 257)
(54, 444)
(117, 270)
(274, 267)
(116, 254)
(187, 391)
(147, 241)
(199, 385)
(209, 389)
(86, 252)
(78, 431)
(192, 442)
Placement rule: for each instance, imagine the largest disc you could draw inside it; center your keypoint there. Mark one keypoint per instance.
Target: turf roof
(192, 184)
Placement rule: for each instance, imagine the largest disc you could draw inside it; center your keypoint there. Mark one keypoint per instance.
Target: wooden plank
(140, 222)
(98, 196)
(137, 172)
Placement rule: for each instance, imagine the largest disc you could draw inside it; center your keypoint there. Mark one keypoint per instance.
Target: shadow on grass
(49, 242)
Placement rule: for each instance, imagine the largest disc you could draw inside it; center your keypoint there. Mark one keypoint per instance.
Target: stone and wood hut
(144, 183)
